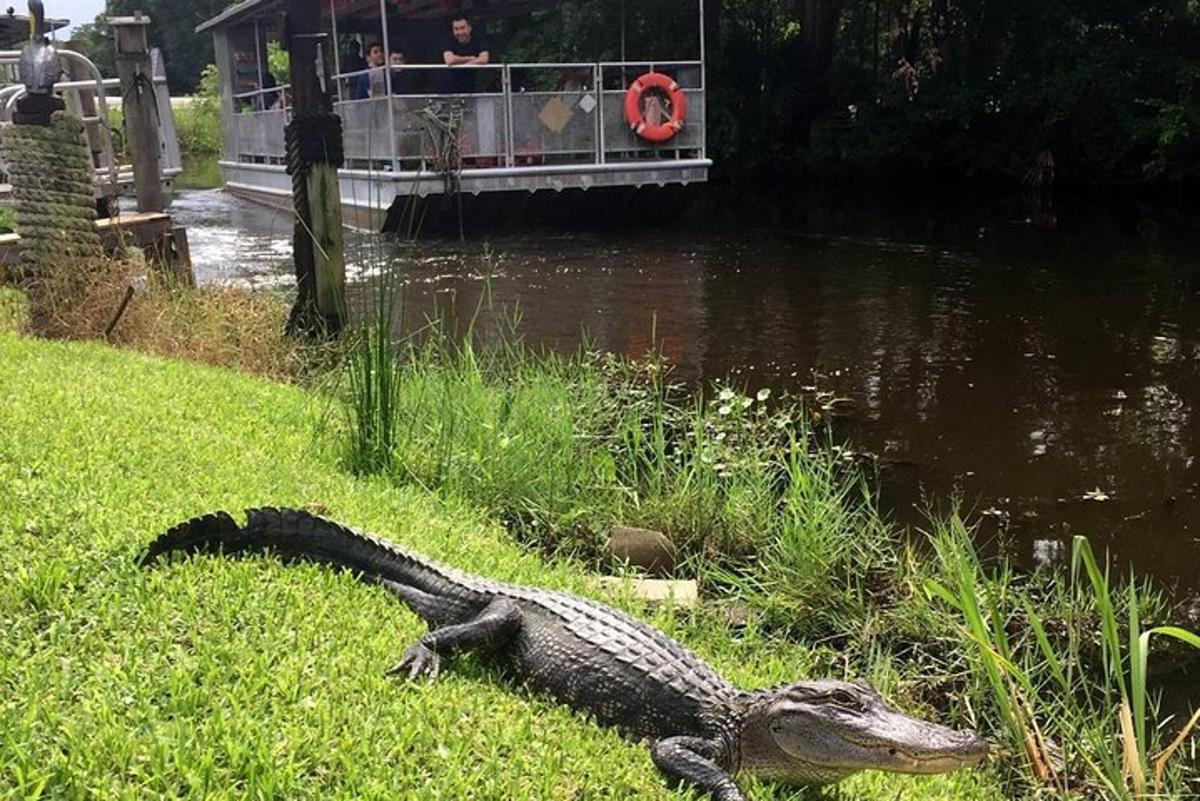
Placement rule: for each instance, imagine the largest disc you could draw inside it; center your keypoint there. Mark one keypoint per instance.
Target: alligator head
(820, 732)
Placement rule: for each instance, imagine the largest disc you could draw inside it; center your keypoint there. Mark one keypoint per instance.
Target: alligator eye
(843, 698)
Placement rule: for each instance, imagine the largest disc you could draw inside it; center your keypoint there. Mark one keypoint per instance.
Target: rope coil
(50, 168)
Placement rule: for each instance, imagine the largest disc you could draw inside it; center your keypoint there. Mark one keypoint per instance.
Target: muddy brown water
(1048, 378)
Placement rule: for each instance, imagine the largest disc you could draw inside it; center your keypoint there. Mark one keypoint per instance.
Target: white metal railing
(515, 116)
(95, 88)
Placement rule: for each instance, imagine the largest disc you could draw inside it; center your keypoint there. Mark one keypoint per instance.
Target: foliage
(1079, 720)
(94, 40)
(372, 372)
(228, 326)
(563, 447)
(279, 62)
(877, 88)
(14, 311)
(198, 123)
(173, 29)
(229, 679)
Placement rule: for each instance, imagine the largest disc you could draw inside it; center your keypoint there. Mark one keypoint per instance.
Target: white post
(337, 53)
(258, 48)
(703, 89)
(387, 77)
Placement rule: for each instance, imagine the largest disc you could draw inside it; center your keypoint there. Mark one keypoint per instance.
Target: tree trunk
(819, 23)
(818, 20)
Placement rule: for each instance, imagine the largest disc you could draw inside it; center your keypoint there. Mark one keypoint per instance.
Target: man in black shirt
(463, 47)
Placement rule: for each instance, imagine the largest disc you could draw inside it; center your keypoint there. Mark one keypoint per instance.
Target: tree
(94, 40)
(173, 29)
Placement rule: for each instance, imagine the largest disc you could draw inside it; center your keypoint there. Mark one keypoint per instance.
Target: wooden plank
(133, 219)
(677, 592)
(142, 230)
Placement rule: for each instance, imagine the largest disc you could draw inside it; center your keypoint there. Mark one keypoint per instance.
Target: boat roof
(403, 9)
(14, 28)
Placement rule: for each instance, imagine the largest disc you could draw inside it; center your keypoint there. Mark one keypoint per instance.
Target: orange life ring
(658, 132)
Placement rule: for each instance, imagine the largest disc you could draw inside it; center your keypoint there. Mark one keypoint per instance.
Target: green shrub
(198, 123)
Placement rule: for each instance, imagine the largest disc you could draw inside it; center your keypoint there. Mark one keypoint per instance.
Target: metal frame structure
(110, 174)
(538, 139)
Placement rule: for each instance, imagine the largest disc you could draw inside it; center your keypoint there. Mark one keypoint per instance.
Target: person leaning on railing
(464, 47)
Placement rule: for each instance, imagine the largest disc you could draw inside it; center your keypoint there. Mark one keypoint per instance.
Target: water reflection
(1048, 377)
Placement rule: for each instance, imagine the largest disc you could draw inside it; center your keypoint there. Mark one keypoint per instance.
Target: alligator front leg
(694, 760)
(488, 630)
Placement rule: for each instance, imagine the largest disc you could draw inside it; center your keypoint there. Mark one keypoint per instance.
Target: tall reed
(1071, 692)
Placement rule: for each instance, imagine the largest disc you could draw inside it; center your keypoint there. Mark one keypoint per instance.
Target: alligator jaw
(822, 731)
(928, 748)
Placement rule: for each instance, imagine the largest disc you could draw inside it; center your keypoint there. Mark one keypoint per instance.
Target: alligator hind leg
(433, 609)
(488, 630)
(694, 760)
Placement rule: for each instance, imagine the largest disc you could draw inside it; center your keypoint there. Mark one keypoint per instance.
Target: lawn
(253, 680)
(250, 679)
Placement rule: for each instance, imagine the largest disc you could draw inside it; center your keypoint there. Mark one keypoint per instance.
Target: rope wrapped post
(313, 140)
(50, 168)
(140, 109)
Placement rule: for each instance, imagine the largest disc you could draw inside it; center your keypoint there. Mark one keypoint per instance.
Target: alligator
(702, 729)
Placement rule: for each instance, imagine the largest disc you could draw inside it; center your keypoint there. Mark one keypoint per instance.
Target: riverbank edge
(233, 679)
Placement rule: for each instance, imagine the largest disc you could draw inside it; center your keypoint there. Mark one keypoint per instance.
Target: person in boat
(401, 83)
(352, 60)
(465, 46)
(271, 100)
(372, 82)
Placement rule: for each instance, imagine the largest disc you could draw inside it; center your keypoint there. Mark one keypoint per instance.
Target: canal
(1049, 378)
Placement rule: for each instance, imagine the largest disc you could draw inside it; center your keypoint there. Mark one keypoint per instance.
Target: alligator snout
(959, 749)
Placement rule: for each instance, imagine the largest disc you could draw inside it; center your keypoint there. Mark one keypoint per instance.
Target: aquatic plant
(1078, 718)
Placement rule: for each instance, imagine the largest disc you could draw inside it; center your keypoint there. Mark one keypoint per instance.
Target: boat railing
(88, 99)
(430, 117)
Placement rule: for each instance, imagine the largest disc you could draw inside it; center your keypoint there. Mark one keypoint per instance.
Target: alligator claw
(418, 661)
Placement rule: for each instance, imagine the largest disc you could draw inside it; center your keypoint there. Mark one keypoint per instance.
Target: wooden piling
(314, 145)
(179, 256)
(139, 105)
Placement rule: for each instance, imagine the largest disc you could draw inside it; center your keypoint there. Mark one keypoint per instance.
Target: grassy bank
(252, 680)
(779, 522)
(489, 457)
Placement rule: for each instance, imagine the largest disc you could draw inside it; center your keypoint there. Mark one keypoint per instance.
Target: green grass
(198, 127)
(199, 172)
(562, 447)
(1070, 694)
(766, 510)
(252, 680)
(14, 309)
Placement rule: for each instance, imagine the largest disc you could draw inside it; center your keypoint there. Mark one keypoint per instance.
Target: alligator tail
(296, 535)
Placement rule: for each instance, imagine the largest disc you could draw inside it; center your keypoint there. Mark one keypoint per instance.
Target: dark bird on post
(38, 67)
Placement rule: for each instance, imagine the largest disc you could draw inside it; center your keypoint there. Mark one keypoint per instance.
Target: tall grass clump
(14, 309)
(564, 447)
(132, 304)
(372, 369)
(1066, 676)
